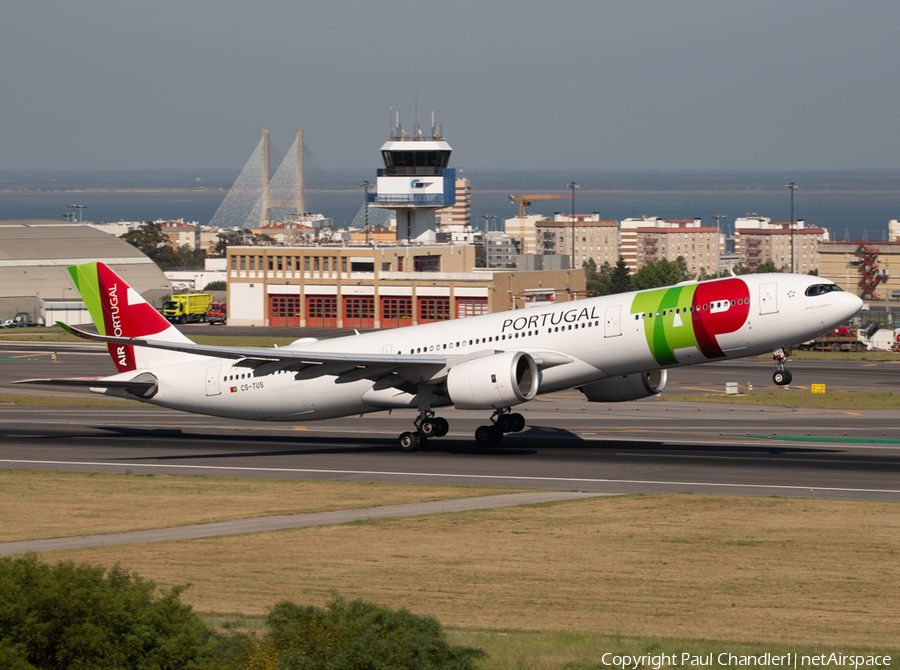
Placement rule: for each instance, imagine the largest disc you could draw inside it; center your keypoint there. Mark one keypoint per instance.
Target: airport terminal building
(379, 286)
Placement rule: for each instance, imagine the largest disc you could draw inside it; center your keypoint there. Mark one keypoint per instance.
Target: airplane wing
(262, 355)
(265, 354)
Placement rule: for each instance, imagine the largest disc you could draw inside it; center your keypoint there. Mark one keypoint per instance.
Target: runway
(647, 446)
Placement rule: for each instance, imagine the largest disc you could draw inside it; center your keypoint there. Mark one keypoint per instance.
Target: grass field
(690, 568)
(841, 400)
(85, 400)
(40, 505)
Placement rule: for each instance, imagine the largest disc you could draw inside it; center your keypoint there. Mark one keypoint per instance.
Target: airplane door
(613, 323)
(767, 304)
(212, 380)
(386, 349)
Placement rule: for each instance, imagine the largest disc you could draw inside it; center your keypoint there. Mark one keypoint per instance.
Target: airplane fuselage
(585, 341)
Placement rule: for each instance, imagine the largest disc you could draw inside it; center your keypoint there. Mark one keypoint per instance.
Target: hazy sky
(630, 84)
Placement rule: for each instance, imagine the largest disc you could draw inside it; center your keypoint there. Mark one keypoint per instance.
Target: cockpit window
(819, 289)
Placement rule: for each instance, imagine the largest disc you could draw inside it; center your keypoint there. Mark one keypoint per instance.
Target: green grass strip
(849, 440)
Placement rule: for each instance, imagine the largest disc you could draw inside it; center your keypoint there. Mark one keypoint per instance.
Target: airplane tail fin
(117, 309)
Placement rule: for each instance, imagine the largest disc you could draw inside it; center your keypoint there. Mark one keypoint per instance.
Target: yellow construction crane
(524, 201)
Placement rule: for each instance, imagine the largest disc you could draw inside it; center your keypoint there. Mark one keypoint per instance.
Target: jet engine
(492, 382)
(626, 387)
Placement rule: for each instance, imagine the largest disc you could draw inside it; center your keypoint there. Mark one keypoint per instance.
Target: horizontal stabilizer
(92, 382)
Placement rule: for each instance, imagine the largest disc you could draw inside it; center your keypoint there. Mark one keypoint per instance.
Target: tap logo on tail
(117, 309)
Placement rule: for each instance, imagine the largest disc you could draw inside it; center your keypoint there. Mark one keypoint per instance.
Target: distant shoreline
(612, 191)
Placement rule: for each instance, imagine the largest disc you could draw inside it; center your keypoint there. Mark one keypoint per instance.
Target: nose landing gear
(502, 421)
(781, 377)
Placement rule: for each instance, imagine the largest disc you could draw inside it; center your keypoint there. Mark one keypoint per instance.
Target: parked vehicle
(845, 338)
(186, 308)
(21, 320)
(217, 312)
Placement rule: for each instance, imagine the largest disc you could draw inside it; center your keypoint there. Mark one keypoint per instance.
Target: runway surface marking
(573, 480)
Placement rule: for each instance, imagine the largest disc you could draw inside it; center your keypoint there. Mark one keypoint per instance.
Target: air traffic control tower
(415, 181)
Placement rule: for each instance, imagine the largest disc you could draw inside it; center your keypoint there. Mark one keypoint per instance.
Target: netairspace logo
(767, 660)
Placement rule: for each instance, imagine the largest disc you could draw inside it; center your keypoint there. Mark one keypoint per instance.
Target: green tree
(243, 237)
(594, 280)
(153, 242)
(681, 262)
(354, 636)
(768, 266)
(220, 285)
(620, 278)
(149, 238)
(657, 273)
(480, 257)
(81, 616)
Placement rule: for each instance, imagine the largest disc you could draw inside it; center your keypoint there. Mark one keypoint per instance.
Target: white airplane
(611, 348)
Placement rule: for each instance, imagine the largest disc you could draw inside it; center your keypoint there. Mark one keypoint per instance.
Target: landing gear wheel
(409, 442)
(442, 427)
(483, 434)
(486, 435)
(518, 422)
(782, 377)
(428, 428)
(505, 423)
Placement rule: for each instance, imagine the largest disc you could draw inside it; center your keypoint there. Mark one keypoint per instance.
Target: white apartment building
(691, 234)
(758, 239)
(593, 238)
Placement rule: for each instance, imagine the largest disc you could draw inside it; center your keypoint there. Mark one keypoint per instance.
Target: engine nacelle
(492, 382)
(626, 387)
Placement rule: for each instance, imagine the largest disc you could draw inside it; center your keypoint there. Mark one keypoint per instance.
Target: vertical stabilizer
(117, 309)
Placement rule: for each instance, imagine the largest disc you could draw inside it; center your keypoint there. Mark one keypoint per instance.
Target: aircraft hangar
(35, 255)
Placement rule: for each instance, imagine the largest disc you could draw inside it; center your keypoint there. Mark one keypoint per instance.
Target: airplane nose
(852, 303)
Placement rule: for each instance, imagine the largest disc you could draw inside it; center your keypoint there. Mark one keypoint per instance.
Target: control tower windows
(400, 163)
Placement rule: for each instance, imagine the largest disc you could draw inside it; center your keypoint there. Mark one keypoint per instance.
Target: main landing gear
(502, 421)
(427, 425)
(781, 377)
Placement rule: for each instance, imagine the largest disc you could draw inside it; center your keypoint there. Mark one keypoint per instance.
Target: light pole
(718, 217)
(572, 185)
(365, 185)
(791, 186)
(78, 207)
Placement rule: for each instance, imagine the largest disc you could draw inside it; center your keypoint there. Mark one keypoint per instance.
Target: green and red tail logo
(117, 309)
